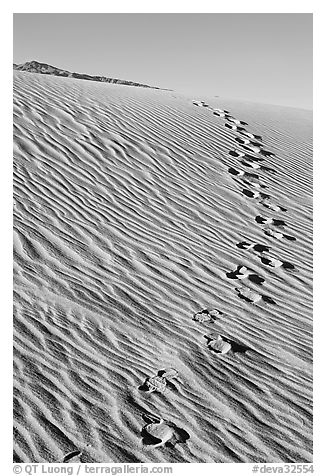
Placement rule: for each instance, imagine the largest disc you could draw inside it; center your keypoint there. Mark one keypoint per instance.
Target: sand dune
(126, 223)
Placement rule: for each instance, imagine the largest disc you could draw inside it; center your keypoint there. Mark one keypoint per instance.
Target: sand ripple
(126, 223)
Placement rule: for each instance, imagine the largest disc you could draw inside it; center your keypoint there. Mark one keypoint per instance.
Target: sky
(259, 57)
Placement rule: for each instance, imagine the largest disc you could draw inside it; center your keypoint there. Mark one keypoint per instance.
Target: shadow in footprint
(172, 387)
(287, 265)
(181, 436)
(236, 172)
(268, 299)
(71, 455)
(254, 278)
(235, 153)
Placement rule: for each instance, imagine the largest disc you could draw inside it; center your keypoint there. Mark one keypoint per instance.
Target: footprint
(249, 142)
(158, 432)
(200, 103)
(252, 165)
(278, 235)
(236, 153)
(276, 263)
(271, 206)
(218, 344)
(234, 127)
(242, 272)
(244, 155)
(255, 166)
(241, 173)
(221, 110)
(219, 114)
(249, 179)
(254, 183)
(255, 194)
(253, 297)
(207, 315)
(234, 171)
(254, 246)
(158, 382)
(250, 135)
(222, 345)
(252, 158)
(269, 221)
(268, 169)
(236, 121)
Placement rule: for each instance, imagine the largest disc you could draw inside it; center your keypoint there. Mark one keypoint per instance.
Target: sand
(126, 225)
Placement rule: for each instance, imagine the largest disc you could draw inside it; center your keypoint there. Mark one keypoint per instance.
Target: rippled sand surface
(126, 223)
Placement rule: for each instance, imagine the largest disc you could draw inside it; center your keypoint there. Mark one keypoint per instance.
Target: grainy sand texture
(163, 276)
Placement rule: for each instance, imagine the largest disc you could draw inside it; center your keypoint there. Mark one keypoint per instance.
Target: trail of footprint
(243, 131)
(265, 259)
(246, 178)
(250, 161)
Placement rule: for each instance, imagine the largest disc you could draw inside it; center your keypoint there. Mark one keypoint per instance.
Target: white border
(168, 6)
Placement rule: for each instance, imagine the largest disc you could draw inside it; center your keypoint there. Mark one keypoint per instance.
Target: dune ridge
(126, 223)
(44, 68)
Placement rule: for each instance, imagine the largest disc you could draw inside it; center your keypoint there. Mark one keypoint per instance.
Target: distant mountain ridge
(43, 68)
